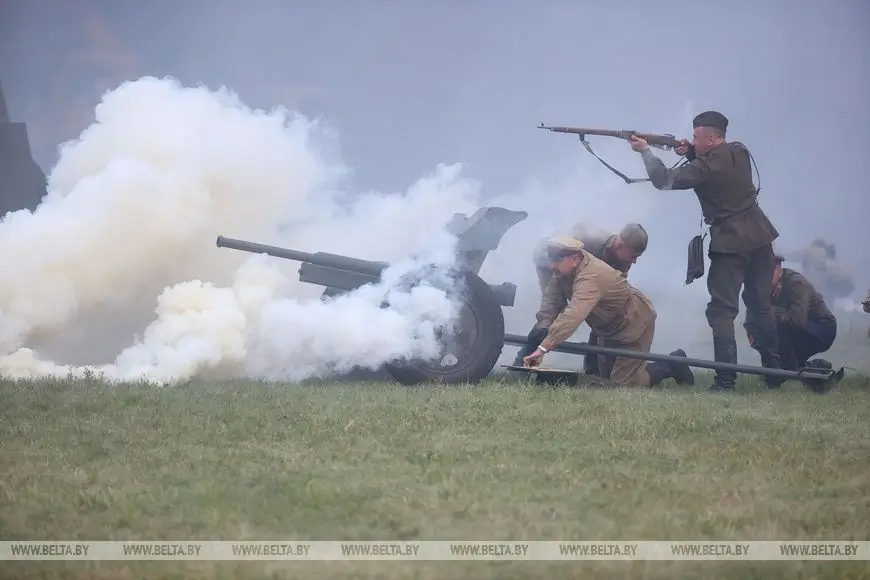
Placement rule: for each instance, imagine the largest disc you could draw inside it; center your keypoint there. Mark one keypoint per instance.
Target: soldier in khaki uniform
(585, 289)
(618, 251)
(805, 324)
(741, 237)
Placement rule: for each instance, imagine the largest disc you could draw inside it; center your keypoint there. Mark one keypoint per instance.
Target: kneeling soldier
(804, 323)
(583, 288)
(618, 251)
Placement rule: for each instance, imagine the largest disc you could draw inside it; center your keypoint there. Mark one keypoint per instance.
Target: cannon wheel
(470, 354)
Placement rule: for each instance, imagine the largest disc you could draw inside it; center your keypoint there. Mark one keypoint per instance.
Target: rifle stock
(659, 140)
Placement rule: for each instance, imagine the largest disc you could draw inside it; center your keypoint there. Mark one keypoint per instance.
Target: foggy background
(408, 85)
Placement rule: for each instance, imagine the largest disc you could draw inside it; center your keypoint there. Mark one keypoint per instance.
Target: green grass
(375, 461)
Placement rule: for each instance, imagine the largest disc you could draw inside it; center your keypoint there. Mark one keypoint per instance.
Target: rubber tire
(483, 355)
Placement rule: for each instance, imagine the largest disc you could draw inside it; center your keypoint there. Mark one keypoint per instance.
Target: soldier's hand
(683, 147)
(638, 144)
(686, 149)
(751, 338)
(534, 359)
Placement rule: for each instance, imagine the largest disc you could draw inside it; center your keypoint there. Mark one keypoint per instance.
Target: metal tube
(335, 261)
(254, 248)
(580, 348)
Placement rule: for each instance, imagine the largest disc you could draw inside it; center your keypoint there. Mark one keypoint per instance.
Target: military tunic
(805, 324)
(741, 235)
(598, 243)
(620, 314)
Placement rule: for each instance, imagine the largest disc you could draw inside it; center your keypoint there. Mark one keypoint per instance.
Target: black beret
(711, 119)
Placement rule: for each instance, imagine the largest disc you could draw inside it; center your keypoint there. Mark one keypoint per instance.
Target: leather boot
(591, 361)
(590, 365)
(659, 371)
(768, 348)
(682, 373)
(724, 350)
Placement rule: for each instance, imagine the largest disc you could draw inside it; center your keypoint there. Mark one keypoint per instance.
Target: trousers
(797, 345)
(637, 336)
(753, 271)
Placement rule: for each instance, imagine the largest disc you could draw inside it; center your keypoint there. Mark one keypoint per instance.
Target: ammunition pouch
(695, 263)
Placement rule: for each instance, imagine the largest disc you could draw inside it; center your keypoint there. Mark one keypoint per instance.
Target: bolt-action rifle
(661, 141)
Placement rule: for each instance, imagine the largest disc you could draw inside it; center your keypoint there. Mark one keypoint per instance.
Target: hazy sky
(410, 84)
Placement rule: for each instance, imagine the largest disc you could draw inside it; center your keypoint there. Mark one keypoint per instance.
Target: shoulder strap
(624, 177)
(752, 159)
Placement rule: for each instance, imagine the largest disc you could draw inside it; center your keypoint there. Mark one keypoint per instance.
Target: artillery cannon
(474, 348)
(469, 353)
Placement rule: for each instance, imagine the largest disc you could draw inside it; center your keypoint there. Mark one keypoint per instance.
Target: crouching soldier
(585, 289)
(617, 250)
(805, 324)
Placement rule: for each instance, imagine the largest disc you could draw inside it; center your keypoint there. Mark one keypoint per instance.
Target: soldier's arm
(585, 295)
(749, 323)
(552, 303)
(796, 313)
(686, 176)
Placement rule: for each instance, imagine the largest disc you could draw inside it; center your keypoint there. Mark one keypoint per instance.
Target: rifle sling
(625, 178)
(752, 159)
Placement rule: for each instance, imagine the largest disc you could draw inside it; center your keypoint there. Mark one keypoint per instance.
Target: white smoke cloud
(133, 210)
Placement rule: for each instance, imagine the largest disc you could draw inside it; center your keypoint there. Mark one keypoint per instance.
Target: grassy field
(375, 461)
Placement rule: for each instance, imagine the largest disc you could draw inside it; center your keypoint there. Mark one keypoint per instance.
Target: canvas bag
(695, 262)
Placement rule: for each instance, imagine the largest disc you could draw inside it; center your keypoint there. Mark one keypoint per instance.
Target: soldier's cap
(778, 258)
(635, 236)
(713, 119)
(562, 246)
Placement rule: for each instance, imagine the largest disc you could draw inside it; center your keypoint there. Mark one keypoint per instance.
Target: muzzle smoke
(133, 210)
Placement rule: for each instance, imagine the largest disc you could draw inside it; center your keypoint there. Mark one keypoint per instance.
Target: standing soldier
(618, 251)
(585, 289)
(741, 236)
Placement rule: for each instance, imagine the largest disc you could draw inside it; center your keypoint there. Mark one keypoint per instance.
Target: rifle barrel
(582, 131)
(653, 138)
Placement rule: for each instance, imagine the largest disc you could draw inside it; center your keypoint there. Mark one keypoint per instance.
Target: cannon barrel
(334, 261)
